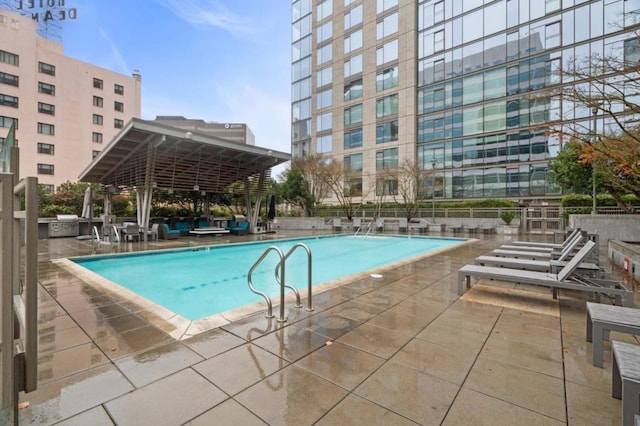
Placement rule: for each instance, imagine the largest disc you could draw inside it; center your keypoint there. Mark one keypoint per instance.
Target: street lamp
(433, 189)
(594, 110)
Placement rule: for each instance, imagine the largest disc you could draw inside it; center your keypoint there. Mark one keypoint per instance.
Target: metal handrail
(369, 228)
(263, 294)
(309, 275)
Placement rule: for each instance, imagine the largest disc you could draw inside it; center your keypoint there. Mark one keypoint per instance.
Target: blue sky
(217, 60)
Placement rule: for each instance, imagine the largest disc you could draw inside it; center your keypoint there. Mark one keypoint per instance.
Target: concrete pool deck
(401, 349)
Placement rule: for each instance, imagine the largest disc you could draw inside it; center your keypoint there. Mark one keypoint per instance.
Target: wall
(609, 227)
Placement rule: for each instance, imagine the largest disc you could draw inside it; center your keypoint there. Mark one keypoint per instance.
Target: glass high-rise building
(461, 87)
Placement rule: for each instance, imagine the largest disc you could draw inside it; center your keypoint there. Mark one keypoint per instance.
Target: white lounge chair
(564, 279)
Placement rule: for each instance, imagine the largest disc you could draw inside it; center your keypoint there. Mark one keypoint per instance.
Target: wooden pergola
(146, 155)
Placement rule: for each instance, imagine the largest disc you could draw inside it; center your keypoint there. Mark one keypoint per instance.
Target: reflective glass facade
(465, 83)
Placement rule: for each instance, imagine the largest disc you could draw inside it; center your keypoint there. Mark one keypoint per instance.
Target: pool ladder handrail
(309, 275)
(262, 293)
(97, 241)
(369, 228)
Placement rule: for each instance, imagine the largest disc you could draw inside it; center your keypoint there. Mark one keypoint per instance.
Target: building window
(353, 41)
(387, 53)
(324, 77)
(10, 79)
(8, 121)
(118, 106)
(46, 68)
(353, 90)
(387, 106)
(9, 58)
(387, 185)
(324, 99)
(352, 139)
(353, 115)
(324, 9)
(353, 17)
(98, 101)
(438, 12)
(45, 169)
(46, 129)
(383, 5)
(387, 79)
(10, 101)
(47, 89)
(324, 54)
(438, 41)
(45, 148)
(118, 124)
(97, 119)
(96, 137)
(632, 51)
(324, 32)
(388, 26)
(118, 89)
(324, 144)
(353, 163)
(98, 84)
(47, 188)
(324, 122)
(353, 187)
(387, 132)
(387, 159)
(353, 66)
(552, 35)
(94, 153)
(46, 108)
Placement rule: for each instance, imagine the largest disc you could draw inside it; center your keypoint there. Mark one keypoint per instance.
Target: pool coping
(180, 328)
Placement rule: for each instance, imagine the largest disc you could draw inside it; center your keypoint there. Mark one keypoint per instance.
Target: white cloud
(117, 55)
(210, 13)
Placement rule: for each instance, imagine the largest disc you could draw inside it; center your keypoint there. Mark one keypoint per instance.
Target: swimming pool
(199, 282)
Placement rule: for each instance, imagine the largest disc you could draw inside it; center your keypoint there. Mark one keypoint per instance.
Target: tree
(410, 179)
(568, 172)
(606, 88)
(295, 190)
(345, 186)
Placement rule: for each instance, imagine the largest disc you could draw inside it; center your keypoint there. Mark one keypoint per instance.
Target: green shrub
(576, 200)
(507, 216)
(52, 210)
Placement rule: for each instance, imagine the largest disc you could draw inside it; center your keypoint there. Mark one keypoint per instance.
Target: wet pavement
(401, 349)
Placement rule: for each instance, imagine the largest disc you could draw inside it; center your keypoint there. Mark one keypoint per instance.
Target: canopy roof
(146, 154)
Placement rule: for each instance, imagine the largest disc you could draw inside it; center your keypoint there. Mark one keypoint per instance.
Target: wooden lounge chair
(564, 279)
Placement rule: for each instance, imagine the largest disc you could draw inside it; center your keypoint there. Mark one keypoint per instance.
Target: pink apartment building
(65, 110)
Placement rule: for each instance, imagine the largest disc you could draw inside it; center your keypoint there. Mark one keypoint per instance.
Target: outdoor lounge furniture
(539, 255)
(132, 232)
(337, 224)
(182, 226)
(625, 379)
(566, 242)
(357, 223)
(168, 234)
(241, 228)
(590, 269)
(210, 231)
(602, 319)
(152, 234)
(564, 279)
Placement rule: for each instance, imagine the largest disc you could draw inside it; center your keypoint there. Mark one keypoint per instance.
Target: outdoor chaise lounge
(521, 246)
(564, 279)
(566, 242)
(538, 255)
(586, 268)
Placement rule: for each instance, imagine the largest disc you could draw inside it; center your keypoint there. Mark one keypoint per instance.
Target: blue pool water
(196, 283)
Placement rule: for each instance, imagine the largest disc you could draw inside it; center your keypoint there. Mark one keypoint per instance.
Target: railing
(309, 275)
(281, 279)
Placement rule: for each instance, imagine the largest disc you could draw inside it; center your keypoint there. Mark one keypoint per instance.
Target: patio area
(403, 349)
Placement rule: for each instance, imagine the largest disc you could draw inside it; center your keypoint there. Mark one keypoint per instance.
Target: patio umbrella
(272, 208)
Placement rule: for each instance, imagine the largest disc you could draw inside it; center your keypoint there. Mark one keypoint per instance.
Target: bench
(602, 319)
(625, 379)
